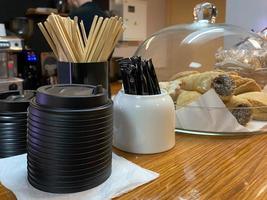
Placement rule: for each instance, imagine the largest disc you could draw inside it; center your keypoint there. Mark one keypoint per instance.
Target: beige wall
(181, 11)
(156, 20)
(163, 13)
(156, 15)
(179, 58)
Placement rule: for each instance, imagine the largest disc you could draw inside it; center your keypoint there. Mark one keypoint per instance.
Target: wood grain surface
(6, 194)
(210, 168)
(201, 167)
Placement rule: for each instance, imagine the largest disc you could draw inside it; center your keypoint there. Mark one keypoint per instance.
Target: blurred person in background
(85, 10)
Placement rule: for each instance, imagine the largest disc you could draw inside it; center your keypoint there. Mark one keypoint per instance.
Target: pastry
(258, 101)
(241, 109)
(172, 88)
(187, 97)
(222, 83)
(224, 86)
(183, 74)
(232, 73)
(241, 57)
(244, 85)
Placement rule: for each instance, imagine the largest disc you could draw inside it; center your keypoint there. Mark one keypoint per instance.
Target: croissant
(244, 85)
(183, 74)
(241, 109)
(186, 97)
(259, 103)
(222, 83)
(172, 88)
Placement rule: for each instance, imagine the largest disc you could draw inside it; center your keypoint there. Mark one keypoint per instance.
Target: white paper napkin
(209, 113)
(125, 177)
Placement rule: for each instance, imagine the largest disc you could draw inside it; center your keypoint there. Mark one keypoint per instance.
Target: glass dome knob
(206, 12)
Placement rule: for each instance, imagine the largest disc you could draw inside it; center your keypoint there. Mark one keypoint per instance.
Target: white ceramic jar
(144, 124)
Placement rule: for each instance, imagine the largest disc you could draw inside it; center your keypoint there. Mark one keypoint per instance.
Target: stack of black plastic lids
(69, 138)
(13, 122)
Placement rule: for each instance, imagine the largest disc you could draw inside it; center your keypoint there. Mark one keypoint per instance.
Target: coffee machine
(29, 64)
(29, 69)
(10, 46)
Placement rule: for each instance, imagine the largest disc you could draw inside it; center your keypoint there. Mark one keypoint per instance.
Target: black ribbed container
(69, 138)
(13, 122)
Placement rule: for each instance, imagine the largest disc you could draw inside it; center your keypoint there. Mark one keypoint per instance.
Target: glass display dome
(192, 59)
(204, 45)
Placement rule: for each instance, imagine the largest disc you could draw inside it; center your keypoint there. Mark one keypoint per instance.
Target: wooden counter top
(210, 168)
(202, 167)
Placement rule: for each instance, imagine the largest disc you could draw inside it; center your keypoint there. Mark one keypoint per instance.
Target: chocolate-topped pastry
(258, 101)
(222, 83)
(241, 109)
(242, 114)
(224, 86)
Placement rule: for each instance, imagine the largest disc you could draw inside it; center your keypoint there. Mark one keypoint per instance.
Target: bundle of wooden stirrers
(70, 43)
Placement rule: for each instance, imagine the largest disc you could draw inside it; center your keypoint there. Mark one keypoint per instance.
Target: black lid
(72, 96)
(13, 101)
